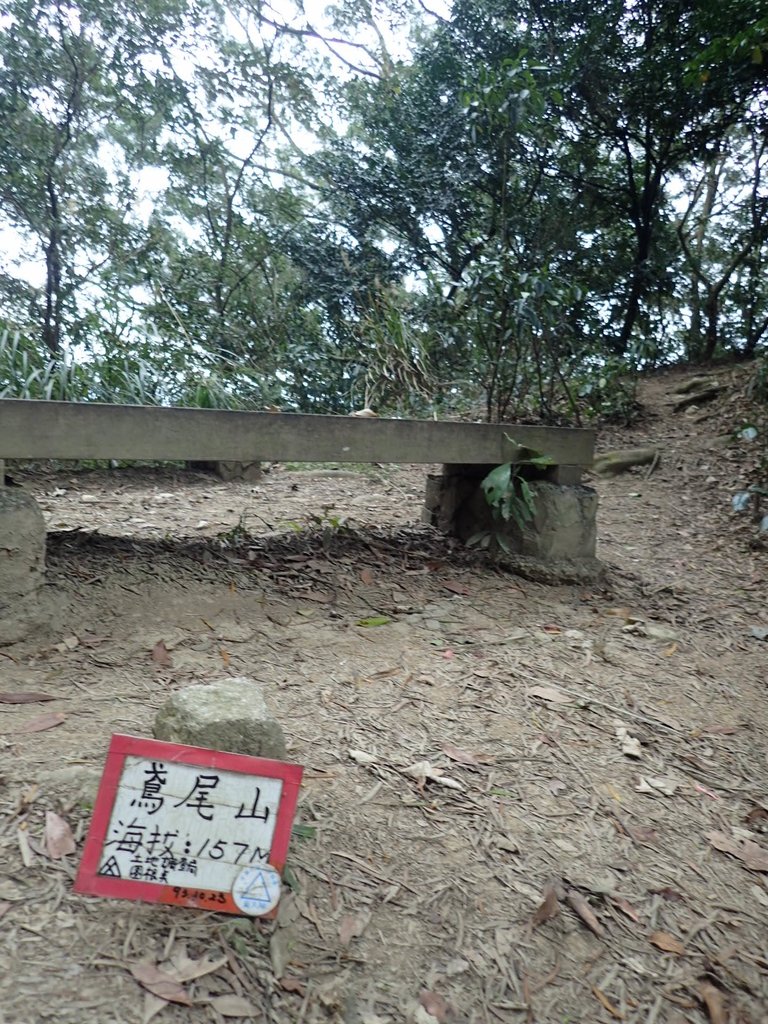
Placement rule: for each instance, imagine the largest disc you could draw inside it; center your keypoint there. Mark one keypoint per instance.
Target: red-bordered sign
(194, 827)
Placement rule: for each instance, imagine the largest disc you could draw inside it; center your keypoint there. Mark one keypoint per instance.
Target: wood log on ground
(613, 463)
(699, 397)
(695, 384)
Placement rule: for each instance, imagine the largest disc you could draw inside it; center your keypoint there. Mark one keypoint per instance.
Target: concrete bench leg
(563, 528)
(22, 564)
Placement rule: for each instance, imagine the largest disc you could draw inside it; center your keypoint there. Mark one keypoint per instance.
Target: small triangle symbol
(110, 869)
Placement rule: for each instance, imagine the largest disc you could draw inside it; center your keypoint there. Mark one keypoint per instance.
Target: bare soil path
(575, 875)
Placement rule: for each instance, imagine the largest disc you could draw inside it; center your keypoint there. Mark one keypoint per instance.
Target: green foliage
(533, 202)
(605, 391)
(128, 379)
(509, 496)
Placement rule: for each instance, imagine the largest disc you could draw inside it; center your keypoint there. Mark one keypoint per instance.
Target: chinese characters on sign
(185, 825)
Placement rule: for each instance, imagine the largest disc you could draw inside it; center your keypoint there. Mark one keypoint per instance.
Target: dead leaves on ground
(160, 984)
(752, 855)
(455, 587)
(352, 925)
(626, 908)
(161, 655)
(549, 908)
(606, 1003)
(580, 904)
(435, 1005)
(421, 771)
(166, 983)
(424, 771)
(757, 819)
(233, 1006)
(465, 757)
(667, 943)
(714, 1002)
(39, 724)
(658, 784)
(553, 893)
(59, 841)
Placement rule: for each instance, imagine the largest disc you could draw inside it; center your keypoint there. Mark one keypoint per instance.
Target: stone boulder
(228, 714)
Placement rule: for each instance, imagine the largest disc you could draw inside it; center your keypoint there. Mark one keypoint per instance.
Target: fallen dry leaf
(352, 925)
(625, 907)
(318, 596)
(361, 757)
(658, 784)
(159, 983)
(456, 587)
(434, 1004)
(293, 985)
(423, 771)
(625, 613)
(603, 999)
(713, 1000)
(630, 745)
(669, 894)
(643, 834)
(757, 818)
(59, 841)
(550, 693)
(152, 1006)
(366, 576)
(666, 942)
(187, 969)
(160, 654)
(234, 1006)
(25, 698)
(750, 854)
(464, 756)
(583, 908)
(549, 908)
(47, 721)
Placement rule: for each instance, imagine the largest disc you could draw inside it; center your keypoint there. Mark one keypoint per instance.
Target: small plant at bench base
(509, 497)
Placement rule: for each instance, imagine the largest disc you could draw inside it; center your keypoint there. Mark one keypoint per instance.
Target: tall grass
(27, 372)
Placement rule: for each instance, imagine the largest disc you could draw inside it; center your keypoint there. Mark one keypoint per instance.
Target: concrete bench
(562, 529)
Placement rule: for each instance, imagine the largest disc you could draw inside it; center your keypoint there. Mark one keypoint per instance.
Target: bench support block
(563, 528)
(22, 564)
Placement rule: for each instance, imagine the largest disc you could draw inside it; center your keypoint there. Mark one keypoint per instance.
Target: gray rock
(22, 564)
(562, 530)
(228, 714)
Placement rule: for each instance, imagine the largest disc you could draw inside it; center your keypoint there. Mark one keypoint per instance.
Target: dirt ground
(575, 875)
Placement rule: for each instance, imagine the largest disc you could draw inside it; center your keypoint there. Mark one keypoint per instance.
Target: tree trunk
(53, 296)
(712, 309)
